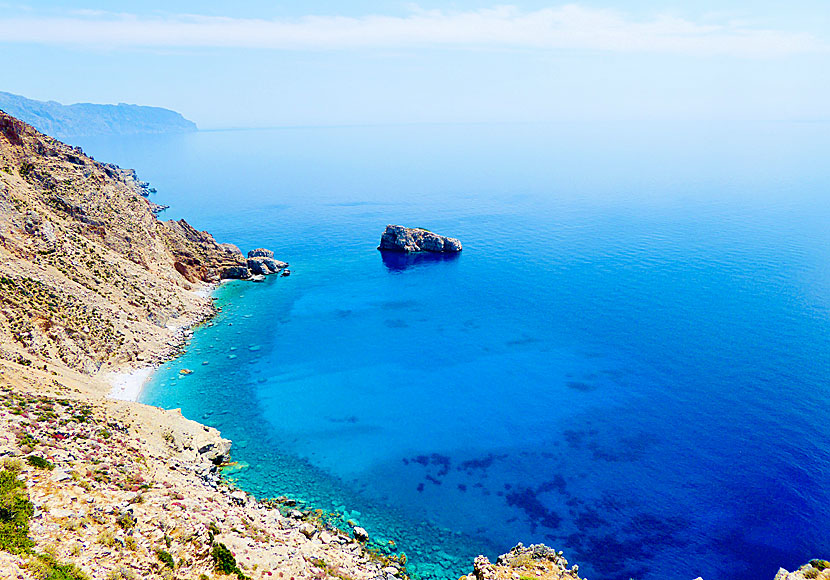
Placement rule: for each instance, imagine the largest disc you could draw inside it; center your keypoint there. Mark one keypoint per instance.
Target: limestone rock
(231, 249)
(260, 253)
(403, 239)
(263, 266)
(483, 569)
(360, 534)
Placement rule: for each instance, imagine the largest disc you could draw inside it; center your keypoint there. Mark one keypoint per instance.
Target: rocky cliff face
(89, 274)
(403, 239)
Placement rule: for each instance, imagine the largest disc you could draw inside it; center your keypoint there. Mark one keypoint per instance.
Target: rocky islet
(409, 240)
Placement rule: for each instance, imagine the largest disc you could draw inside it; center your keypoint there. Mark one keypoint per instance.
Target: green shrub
(224, 561)
(126, 520)
(45, 567)
(15, 511)
(39, 462)
(165, 558)
(26, 439)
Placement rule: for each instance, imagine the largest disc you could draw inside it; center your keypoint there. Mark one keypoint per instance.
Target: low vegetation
(15, 511)
(224, 561)
(45, 567)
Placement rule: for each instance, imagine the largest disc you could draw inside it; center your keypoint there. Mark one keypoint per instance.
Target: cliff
(85, 119)
(91, 278)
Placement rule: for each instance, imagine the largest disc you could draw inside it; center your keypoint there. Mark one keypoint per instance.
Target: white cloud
(568, 27)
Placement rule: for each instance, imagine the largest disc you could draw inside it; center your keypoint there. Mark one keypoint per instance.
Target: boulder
(273, 264)
(403, 239)
(216, 452)
(260, 253)
(231, 249)
(360, 534)
(308, 530)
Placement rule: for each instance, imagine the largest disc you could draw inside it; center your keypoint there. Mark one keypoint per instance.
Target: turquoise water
(628, 361)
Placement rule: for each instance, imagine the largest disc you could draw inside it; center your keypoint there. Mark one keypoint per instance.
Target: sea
(629, 361)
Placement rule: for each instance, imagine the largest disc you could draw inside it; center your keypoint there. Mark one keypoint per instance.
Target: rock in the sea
(265, 265)
(260, 253)
(403, 239)
(260, 262)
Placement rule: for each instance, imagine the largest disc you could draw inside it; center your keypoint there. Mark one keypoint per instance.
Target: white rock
(308, 530)
(60, 475)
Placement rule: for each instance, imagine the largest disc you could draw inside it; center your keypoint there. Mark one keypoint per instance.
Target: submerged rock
(403, 239)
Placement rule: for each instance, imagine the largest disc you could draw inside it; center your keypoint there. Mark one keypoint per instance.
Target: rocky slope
(83, 119)
(91, 278)
(403, 239)
(121, 491)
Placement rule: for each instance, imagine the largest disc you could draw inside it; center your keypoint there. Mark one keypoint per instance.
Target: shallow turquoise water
(628, 361)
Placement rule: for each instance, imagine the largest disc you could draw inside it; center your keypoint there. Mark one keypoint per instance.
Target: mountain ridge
(90, 119)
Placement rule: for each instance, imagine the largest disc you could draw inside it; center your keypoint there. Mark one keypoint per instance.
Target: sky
(258, 63)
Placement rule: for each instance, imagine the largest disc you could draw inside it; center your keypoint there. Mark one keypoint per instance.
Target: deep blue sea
(629, 361)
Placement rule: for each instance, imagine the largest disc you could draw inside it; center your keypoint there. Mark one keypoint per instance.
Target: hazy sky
(266, 63)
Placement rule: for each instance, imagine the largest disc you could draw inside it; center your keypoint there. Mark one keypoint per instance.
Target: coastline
(128, 382)
(127, 386)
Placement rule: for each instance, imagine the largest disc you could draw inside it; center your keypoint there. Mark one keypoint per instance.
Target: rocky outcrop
(261, 262)
(814, 569)
(537, 561)
(403, 239)
(197, 255)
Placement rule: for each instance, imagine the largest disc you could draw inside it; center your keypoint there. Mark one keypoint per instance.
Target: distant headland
(88, 119)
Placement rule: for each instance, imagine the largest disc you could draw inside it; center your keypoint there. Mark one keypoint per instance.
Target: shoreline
(127, 386)
(127, 382)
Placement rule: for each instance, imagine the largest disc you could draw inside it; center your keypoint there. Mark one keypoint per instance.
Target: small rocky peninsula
(403, 239)
(91, 284)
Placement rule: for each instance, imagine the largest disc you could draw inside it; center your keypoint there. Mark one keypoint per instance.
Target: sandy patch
(127, 386)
